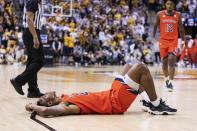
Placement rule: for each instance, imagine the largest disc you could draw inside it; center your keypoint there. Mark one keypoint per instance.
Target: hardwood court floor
(69, 80)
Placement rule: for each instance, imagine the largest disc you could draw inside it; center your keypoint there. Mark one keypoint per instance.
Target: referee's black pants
(34, 63)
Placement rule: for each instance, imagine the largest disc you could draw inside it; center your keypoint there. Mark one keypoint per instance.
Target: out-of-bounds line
(33, 117)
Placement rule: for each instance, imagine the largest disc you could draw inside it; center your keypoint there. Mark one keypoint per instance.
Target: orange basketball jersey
(114, 101)
(168, 25)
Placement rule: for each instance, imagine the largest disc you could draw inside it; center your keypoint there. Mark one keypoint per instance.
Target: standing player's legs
(35, 62)
(165, 65)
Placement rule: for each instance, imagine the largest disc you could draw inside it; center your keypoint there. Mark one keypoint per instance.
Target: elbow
(44, 112)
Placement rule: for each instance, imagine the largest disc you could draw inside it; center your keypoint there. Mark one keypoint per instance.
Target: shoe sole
(168, 89)
(161, 113)
(21, 93)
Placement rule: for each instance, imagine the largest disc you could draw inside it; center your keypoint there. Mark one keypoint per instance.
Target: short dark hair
(40, 102)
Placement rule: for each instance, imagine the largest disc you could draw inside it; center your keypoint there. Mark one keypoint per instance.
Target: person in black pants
(31, 39)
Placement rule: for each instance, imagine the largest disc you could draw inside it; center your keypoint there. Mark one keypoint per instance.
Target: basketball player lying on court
(117, 100)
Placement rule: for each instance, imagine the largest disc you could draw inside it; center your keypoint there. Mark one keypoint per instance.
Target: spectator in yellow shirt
(120, 36)
(70, 44)
(8, 8)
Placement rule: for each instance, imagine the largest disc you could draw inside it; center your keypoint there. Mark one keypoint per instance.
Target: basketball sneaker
(169, 85)
(145, 105)
(161, 109)
(17, 87)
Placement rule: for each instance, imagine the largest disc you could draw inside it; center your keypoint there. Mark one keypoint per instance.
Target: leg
(33, 86)
(35, 59)
(164, 58)
(33, 83)
(17, 84)
(143, 94)
(171, 62)
(139, 73)
(165, 66)
(35, 62)
(30, 71)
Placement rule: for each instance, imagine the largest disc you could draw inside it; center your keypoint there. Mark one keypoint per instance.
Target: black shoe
(169, 86)
(17, 87)
(34, 95)
(145, 105)
(161, 109)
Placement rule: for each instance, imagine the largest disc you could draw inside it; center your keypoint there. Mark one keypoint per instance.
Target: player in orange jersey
(169, 22)
(116, 100)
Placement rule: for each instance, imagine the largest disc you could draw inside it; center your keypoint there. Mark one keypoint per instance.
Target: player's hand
(29, 107)
(154, 41)
(36, 43)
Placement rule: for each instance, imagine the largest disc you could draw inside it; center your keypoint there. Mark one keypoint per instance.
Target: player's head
(169, 4)
(49, 99)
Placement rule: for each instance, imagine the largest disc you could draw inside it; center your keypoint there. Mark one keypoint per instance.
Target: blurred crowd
(11, 45)
(101, 32)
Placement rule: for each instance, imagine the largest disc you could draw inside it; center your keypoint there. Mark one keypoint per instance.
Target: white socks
(156, 102)
(144, 96)
(171, 81)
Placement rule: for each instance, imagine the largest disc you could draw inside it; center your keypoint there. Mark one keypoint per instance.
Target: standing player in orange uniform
(169, 22)
(116, 100)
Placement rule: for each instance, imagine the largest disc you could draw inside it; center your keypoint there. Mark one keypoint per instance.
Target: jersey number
(77, 94)
(169, 28)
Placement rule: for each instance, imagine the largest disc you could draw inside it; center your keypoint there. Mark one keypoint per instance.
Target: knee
(171, 62)
(165, 61)
(164, 65)
(142, 68)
